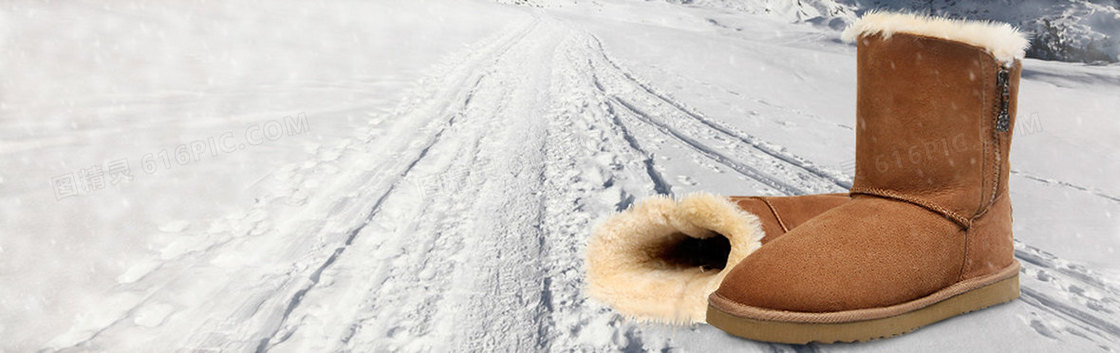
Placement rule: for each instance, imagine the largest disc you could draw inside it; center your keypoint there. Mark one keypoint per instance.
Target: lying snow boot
(659, 260)
(927, 232)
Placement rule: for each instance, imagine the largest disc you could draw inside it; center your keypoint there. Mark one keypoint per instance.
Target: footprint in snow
(687, 180)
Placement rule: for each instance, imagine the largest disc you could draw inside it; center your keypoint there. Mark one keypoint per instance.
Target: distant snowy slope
(830, 12)
(1064, 30)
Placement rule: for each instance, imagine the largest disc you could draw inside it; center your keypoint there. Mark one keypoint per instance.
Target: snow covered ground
(422, 175)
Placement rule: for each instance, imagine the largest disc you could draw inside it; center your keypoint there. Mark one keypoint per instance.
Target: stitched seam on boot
(996, 182)
(997, 157)
(774, 211)
(961, 220)
(996, 172)
(981, 208)
(982, 122)
(964, 258)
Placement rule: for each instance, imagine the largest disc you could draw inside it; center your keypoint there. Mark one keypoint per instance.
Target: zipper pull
(1003, 119)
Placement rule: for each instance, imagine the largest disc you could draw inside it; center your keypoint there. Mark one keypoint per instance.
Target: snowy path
(456, 222)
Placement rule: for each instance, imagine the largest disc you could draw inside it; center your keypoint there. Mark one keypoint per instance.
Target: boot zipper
(1003, 119)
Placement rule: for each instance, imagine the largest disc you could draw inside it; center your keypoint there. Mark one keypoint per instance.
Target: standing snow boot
(927, 233)
(659, 260)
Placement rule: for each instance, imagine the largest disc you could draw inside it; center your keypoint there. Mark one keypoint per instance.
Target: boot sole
(802, 329)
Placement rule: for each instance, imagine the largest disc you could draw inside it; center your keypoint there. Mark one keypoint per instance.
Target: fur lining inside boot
(659, 260)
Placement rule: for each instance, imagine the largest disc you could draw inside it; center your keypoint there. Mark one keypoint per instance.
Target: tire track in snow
(596, 166)
(297, 298)
(432, 233)
(464, 270)
(516, 298)
(778, 172)
(1071, 292)
(454, 113)
(742, 168)
(659, 185)
(691, 143)
(1088, 321)
(1065, 184)
(752, 141)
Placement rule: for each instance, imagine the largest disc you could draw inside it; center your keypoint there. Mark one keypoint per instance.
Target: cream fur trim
(1000, 39)
(623, 269)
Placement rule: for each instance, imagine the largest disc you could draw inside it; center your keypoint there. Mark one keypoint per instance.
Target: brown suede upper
(779, 214)
(929, 203)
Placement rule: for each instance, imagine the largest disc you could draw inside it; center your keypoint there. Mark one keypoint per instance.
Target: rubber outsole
(792, 332)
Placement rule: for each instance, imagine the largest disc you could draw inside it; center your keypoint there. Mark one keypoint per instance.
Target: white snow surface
(423, 175)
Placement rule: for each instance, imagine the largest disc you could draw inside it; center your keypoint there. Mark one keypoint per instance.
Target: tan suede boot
(927, 233)
(659, 260)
